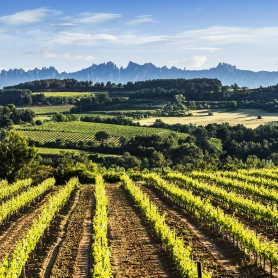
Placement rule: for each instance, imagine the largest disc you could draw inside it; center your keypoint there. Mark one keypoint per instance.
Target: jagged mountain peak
(226, 66)
(227, 73)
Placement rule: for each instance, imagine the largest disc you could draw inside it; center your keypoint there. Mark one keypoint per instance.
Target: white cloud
(195, 62)
(229, 34)
(89, 19)
(130, 38)
(82, 38)
(50, 54)
(142, 20)
(210, 49)
(29, 16)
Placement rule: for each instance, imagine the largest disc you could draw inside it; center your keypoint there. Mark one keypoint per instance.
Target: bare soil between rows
(70, 258)
(243, 266)
(136, 251)
(265, 231)
(19, 224)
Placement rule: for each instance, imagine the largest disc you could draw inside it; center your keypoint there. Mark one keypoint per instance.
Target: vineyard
(52, 136)
(80, 131)
(221, 224)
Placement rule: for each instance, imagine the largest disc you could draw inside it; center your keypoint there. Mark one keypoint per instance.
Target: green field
(51, 109)
(65, 94)
(51, 136)
(57, 151)
(83, 128)
(82, 131)
(54, 151)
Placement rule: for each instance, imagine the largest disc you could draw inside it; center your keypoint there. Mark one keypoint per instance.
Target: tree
(14, 154)
(102, 135)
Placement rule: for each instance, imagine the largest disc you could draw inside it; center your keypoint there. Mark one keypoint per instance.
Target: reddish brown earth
(66, 261)
(14, 230)
(262, 228)
(65, 250)
(242, 265)
(136, 252)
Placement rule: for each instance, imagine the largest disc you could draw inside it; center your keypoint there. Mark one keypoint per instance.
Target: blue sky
(71, 35)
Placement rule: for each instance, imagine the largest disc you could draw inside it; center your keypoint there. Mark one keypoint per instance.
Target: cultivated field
(156, 226)
(65, 94)
(76, 131)
(247, 117)
(48, 110)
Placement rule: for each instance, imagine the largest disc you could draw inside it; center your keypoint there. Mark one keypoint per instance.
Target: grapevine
(12, 266)
(175, 245)
(101, 251)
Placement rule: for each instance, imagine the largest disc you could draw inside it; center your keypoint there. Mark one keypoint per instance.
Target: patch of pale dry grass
(247, 117)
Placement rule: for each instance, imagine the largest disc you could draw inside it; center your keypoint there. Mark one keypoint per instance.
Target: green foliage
(102, 135)
(38, 122)
(19, 97)
(85, 129)
(14, 154)
(10, 115)
(93, 102)
(59, 117)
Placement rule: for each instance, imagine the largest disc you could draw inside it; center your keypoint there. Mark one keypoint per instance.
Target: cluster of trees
(40, 98)
(60, 117)
(18, 160)
(51, 84)
(10, 115)
(93, 102)
(118, 120)
(15, 155)
(64, 85)
(18, 97)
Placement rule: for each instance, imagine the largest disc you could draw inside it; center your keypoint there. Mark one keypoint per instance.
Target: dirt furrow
(14, 230)
(202, 247)
(266, 232)
(223, 253)
(136, 252)
(83, 261)
(68, 251)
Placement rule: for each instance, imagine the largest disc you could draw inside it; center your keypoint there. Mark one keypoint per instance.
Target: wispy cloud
(195, 62)
(210, 49)
(142, 20)
(229, 34)
(131, 38)
(82, 38)
(89, 18)
(50, 54)
(29, 16)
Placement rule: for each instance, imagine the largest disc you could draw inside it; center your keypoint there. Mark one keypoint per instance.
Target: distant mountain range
(104, 72)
